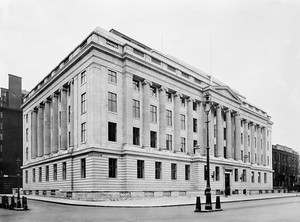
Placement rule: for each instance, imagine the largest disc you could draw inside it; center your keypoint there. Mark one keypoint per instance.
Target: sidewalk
(161, 202)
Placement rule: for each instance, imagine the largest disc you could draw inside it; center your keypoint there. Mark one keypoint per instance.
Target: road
(283, 210)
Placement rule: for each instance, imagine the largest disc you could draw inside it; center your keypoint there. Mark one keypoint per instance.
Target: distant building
(285, 166)
(117, 119)
(10, 133)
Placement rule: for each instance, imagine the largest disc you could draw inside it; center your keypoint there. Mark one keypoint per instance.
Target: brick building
(118, 119)
(10, 133)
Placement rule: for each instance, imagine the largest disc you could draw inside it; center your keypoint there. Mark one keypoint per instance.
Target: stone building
(286, 167)
(117, 119)
(10, 133)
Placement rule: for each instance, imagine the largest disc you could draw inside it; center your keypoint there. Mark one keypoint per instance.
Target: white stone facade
(117, 119)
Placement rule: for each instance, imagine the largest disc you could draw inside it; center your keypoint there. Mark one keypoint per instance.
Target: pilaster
(162, 118)
(146, 113)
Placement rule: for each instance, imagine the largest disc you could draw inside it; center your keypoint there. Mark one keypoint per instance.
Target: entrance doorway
(227, 184)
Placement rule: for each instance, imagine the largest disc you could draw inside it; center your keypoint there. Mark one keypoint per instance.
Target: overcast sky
(255, 43)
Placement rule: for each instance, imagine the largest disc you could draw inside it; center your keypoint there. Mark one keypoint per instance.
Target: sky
(253, 46)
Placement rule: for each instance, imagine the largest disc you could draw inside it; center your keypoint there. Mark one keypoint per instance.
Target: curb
(157, 206)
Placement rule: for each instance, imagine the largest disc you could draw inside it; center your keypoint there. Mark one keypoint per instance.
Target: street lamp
(208, 205)
(18, 182)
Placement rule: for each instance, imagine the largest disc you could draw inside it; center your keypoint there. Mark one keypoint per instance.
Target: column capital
(63, 88)
(162, 88)
(41, 105)
(177, 94)
(94, 66)
(146, 82)
(48, 100)
(55, 94)
(236, 113)
(190, 99)
(71, 81)
(245, 120)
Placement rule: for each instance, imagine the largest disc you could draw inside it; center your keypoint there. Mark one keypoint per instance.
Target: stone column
(177, 127)
(202, 128)
(190, 132)
(146, 113)
(54, 128)
(220, 137)
(47, 134)
(258, 133)
(34, 134)
(246, 160)
(40, 131)
(252, 143)
(72, 94)
(64, 118)
(228, 135)
(264, 146)
(162, 118)
(237, 137)
(127, 111)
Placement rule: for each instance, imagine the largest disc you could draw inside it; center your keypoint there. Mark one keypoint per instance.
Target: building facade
(11, 147)
(117, 119)
(286, 167)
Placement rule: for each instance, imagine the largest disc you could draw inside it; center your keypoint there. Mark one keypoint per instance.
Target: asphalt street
(283, 209)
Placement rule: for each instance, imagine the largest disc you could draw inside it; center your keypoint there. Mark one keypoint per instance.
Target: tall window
(59, 118)
(252, 176)
(182, 121)
(182, 101)
(236, 175)
(182, 144)
(83, 168)
(244, 179)
(40, 174)
(47, 173)
(26, 153)
(153, 91)
(83, 103)
(112, 165)
(187, 172)
(217, 173)
(194, 106)
(195, 125)
(157, 170)
(169, 142)
(153, 139)
(136, 85)
(169, 97)
(69, 114)
(173, 171)
(265, 177)
(54, 172)
(26, 134)
(112, 132)
(136, 109)
(112, 76)
(64, 170)
(136, 136)
(242, 138)
(259, 179)
(153, 114)
(83, 132)
(33, 175)
(169, 117)
(112, 102)
(140, 169)
(26, 176)
(83, 77)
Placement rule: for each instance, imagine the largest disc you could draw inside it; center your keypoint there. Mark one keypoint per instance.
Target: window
(195, 143)
(136, 85)
(265, 177)
(217, 173)
(83, 77)
(194, 125)
(83, 168)
(242, 138)
(244, 176)
(156, 61)
(112, 132)
(173, 171)
(153, 114)
(33, 175)
(83, 103)
(169, 97)
(69, 114)
(26, 153)
(112, 168)
(64, 170)
(205, 172)
(255, 142)
(153, 91)
(242, 155)
(26, 176)
(112, 76)
(187, 172)
(182, 121)
(59, 118)
(26, 118)
(252, 176)
(268, 160)
(112, 102)
(153, 139)
(169, 142)
(171, 68)
(259, 177)
(135, 51)
(236, 175)
(248, 140)
(182, 102)
(83, 132)
(136, 136)
(197, 81)
(112, 44)
(182, 144)
(54, 172)
(194, 106)
(40, 174)
(47, 173)
(140, 169)
(26, 134)
(185, 75)
(169, 117)
(157, 170)
(136, 109)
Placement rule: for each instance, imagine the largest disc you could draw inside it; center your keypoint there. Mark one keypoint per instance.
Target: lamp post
(18, 176)
(208, 205)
